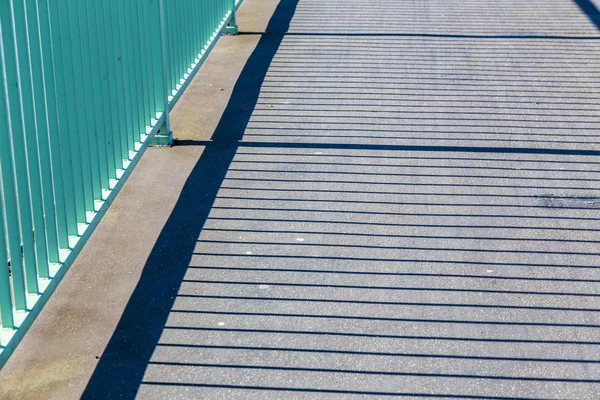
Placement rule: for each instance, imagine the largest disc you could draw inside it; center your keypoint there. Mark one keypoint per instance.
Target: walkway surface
(401, 198)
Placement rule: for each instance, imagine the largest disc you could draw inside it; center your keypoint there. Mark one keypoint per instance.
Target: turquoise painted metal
(86, 86)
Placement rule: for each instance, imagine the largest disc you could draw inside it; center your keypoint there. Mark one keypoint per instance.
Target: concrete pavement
(398, 199)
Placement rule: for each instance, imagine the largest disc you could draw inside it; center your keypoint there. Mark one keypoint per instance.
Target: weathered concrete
(392, 199)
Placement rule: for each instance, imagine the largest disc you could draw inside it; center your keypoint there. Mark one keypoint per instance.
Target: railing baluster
(46, 122)
(95, 87)
(113, 116)
(163, 40)
(19, 94)
(137, 74)
(65, 176)
(35, 135)
(85, 120)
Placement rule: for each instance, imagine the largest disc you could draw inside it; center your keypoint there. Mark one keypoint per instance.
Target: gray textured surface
(413, 210)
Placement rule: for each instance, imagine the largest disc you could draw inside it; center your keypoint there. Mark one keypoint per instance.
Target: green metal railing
(86, 86)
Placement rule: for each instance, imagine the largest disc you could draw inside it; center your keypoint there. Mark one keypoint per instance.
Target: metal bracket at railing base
(162, 140)
(231, 29)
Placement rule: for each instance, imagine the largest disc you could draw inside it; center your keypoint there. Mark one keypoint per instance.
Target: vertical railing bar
(96, 83)
(142, 21)
(87, 127)
(176, 42)
(182, 42)
(206, 24)
(57, 227)
(139, 70)
(133, 76)
(200, 42)
(214, 12)
(109, 114)
(199, 28)
(116, 64)
(170, 49)
(80, 169)
(210, 17)
(116, 116)
(196, 23)
(42, 191)
(163, 34)
(125, 53)
(70, 171)
(189, 49)
(27, 176)
(154, 64)
(185, 42)
(158, 71)
(148, 61)
(82, 131)
(120, 84)
(202, 24)
(193, 31)
(154, 59)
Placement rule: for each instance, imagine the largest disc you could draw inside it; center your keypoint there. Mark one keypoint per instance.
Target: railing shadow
(121, 368)
(590, 9)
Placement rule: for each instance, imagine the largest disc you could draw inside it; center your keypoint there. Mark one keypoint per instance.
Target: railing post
(232, 27)
(164, 136)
